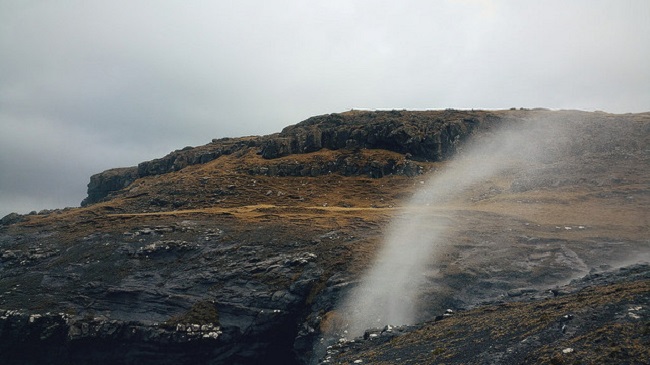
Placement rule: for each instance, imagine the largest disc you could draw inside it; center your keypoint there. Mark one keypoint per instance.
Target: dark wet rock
(422, 135)
(371, 338)
(11, 218)
(63, 339)
(195, 296)
(584, 323)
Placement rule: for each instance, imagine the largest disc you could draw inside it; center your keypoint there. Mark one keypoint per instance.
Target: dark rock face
(175, 293)
(10, 218)
(343, 165)
(424, 136)
(104, 183)
(192, 156)
(63, 339)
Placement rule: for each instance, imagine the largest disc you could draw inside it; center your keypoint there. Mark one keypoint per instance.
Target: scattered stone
(165, 246)
(301, 259)
(163, 229)
(145, 231)
(631, 312)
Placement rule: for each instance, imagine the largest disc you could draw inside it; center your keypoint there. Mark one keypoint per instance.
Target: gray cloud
(86, 86)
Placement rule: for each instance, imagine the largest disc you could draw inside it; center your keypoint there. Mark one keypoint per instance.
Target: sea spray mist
(388, 292)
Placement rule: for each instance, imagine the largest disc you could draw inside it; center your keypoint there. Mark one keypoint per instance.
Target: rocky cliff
(239, 251)
(422, 136)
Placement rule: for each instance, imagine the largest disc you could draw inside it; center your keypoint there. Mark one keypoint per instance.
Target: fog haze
(90, 85)
(389, 291)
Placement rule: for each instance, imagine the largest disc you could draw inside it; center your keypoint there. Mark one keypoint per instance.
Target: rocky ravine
(237, 252)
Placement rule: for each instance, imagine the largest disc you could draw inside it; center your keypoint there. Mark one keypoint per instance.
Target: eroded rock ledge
(419, 136)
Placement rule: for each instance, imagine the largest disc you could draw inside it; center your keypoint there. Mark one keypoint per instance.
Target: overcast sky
(90, 85)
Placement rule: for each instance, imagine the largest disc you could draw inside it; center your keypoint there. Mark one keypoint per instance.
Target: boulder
(11, 218)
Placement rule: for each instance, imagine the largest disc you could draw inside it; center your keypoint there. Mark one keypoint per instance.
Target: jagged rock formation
(424, 135)
(104, 183)
(187, 156)
(421, 136)
(169, 294)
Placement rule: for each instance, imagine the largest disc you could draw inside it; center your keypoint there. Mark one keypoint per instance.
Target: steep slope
(238, 252)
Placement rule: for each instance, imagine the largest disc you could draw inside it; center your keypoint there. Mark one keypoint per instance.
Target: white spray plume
(388, 292)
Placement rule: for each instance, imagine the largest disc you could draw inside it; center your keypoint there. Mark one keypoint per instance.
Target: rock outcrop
(421, 136)
(178, 293)
(345, 165)
(429, 136)
(187, 156)
(104, 183)
(10, 218)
